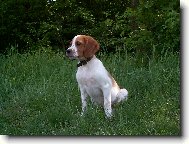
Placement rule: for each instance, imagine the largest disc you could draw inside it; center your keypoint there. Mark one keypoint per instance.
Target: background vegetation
(138, 25)
(140, 47)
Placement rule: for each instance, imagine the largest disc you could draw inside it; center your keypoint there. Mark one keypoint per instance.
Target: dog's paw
(108, 113)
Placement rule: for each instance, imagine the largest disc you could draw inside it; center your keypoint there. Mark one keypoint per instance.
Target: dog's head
(82, 47)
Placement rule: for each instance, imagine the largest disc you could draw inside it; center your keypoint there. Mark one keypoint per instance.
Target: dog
(92, 77)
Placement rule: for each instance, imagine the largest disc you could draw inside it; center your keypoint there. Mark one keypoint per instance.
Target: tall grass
(39, 95)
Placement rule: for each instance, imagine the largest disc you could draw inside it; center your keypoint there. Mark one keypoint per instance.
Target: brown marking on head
(86, 46)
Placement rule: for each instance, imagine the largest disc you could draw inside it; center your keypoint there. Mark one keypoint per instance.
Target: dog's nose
(68, 51)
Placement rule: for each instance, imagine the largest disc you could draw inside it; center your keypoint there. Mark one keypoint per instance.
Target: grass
(39, 95)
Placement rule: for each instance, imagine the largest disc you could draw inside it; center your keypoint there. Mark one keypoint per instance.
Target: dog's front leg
(83, 101)
(107, 102)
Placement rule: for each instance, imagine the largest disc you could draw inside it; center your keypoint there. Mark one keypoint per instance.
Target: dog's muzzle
(70, 53)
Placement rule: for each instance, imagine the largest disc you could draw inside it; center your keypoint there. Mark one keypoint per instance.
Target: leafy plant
(146, 27)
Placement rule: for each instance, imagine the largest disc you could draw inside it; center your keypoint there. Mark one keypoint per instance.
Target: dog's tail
(122, 95)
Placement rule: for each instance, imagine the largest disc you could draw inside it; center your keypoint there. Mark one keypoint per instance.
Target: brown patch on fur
(114, 83)
(86, 46)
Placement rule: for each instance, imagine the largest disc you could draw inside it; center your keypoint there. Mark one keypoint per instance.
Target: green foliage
(20, 23)
(39, 96)
(148, 28)
(143, 27)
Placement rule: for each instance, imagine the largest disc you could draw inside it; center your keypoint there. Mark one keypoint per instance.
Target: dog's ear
(91, 47)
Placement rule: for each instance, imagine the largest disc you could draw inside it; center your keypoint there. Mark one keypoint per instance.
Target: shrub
(142, 27)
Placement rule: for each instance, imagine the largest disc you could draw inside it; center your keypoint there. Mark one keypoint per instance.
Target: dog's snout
(68, 51)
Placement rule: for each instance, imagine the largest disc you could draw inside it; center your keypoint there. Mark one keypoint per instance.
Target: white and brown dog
(92, 77)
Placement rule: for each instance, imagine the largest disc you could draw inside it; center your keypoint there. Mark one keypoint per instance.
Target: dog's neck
(84, 62)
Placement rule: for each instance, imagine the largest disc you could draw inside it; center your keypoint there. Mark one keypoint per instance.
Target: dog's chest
(86, 77)
(93, 79)
(90, 82)
(92, 75)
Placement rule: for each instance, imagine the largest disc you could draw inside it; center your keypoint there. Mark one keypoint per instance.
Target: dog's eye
(78, 43)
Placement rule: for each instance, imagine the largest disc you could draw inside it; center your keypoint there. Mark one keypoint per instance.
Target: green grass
(39, 95)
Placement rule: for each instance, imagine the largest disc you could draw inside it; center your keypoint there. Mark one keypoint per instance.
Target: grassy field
(39, 95)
